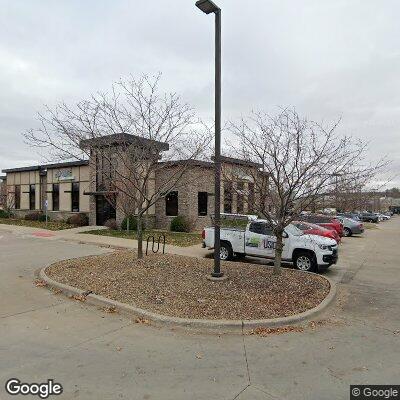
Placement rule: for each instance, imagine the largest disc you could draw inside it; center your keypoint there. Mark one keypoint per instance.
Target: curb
(220, 325)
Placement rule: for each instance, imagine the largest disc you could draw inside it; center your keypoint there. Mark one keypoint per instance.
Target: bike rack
(161, 237)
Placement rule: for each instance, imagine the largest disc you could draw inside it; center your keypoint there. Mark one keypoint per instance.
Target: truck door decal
(253, 242)
(269, 244)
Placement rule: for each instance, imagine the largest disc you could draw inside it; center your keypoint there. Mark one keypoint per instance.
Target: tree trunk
(278, 253)
(139, 236)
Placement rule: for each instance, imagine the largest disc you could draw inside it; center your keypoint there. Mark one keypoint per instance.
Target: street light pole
(208, 7)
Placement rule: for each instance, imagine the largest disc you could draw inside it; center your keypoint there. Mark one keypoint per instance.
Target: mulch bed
(177, 286)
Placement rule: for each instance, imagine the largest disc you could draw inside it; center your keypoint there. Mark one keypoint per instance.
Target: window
(240, 202)
(106, 163)
(171, 204)
(301, 226)
(250, 198)
(261, 228)
(17, 197)
(56, 196)
(202, 203)
(75, 197)
(32, 196)
(228, 197)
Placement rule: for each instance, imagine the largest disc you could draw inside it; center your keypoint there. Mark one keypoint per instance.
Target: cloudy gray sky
(328, 58)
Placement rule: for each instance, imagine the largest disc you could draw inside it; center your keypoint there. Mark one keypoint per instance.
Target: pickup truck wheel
(347, 232)
(305, 262)
(225, 252)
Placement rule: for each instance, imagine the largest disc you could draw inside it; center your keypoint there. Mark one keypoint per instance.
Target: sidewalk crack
(245, 355)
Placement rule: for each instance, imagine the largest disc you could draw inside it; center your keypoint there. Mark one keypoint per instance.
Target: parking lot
(98, 355)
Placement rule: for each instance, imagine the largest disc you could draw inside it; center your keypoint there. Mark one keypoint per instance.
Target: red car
(324, 220)
(314, 229)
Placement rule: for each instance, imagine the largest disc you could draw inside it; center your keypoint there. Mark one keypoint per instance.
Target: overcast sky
(327, 58)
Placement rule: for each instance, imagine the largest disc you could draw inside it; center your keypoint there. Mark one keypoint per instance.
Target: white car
(382, 217)
(306, 252)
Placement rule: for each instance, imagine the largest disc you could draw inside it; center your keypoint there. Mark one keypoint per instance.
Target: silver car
(350, 226)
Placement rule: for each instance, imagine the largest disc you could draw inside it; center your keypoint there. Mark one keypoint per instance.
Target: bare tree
(7, 198)
(131, 135)
(298, 160)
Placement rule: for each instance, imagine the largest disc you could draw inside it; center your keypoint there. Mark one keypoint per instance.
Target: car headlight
(324, 247)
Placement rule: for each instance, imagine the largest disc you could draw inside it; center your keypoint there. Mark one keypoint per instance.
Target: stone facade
(197, 179)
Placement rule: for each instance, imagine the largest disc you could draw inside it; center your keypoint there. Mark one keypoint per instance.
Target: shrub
(111, 223)
(33, 216)
(132, 223)
(78, 220)
(4, 214)
(42, 218)
(180, 224)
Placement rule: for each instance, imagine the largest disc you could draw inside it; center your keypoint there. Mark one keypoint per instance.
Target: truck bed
(235, 236)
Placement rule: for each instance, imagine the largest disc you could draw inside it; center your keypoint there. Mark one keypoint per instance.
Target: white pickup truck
(306, 252)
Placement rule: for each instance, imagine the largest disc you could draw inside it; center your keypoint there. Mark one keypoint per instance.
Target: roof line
(47, 166)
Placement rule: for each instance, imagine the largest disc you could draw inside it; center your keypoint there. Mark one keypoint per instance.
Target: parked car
(350, 226)
(326, 221)
(314, 229)
(368, 217)
(382, 217)
(351, 215)
(306, 252)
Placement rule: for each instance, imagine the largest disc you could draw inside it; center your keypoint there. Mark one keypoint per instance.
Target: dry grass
(51, 225)
(177, 286)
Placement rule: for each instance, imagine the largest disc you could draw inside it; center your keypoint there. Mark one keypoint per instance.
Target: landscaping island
(177, 286)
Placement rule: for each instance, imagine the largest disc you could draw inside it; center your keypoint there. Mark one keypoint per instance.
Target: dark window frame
(17, 197)
(55, 194)
(240, 198)
(202, 204)
(250, 197)
(75, 197)
(228, 197)
(172, 204)
(32, 196)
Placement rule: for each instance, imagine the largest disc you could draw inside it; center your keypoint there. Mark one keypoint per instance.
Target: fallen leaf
(141, 320)
(261, 331)
(79, 297)
(109, 310)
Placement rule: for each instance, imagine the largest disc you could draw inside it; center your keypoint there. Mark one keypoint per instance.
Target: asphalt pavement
(100, 355)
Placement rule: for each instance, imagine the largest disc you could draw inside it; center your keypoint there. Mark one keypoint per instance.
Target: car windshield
(293, 230)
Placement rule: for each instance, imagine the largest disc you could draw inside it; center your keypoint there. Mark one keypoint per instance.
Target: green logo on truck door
(253, 242)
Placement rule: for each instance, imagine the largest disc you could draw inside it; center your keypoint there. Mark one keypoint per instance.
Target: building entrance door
(104, 210)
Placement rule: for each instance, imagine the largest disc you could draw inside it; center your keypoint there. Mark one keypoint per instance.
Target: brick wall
(196, 179)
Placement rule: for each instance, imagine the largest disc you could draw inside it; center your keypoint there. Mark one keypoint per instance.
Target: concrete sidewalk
(75, 235)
